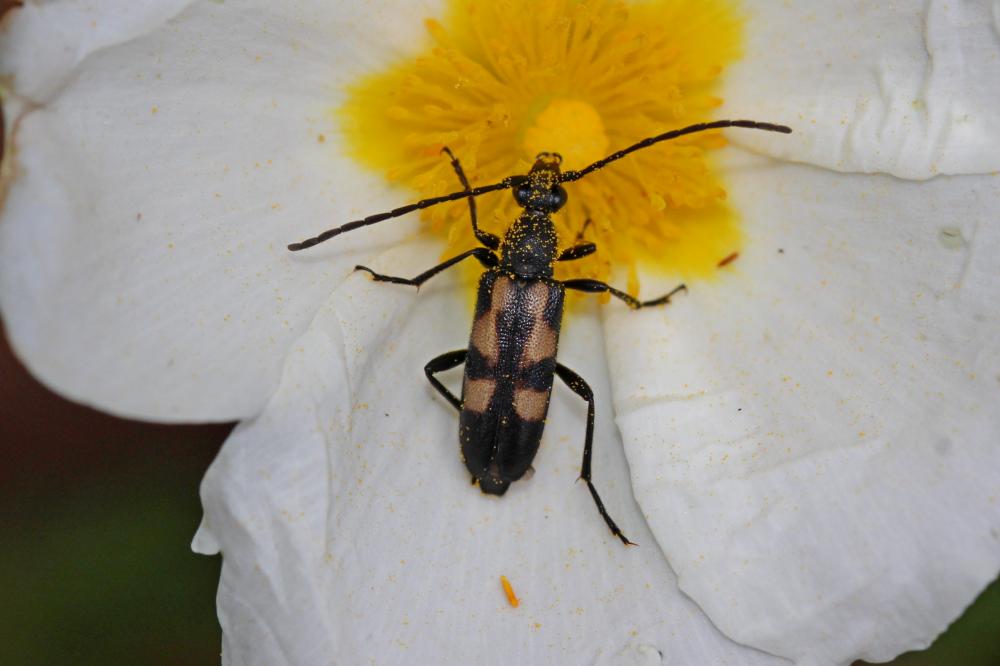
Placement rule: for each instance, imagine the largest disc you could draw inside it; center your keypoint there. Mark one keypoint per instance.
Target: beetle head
(540, 189)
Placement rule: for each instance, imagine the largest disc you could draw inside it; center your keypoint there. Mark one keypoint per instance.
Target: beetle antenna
(667, 136)
(504, 184)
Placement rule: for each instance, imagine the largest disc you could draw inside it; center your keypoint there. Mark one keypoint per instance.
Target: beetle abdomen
(508, 376)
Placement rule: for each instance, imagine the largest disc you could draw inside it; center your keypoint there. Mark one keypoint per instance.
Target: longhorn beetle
(511, 359)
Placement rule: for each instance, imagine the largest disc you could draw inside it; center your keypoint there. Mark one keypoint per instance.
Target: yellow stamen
(571, 128)
(505, 81)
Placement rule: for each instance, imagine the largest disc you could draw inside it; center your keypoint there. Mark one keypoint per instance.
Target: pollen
(500, 82)
(508, 591)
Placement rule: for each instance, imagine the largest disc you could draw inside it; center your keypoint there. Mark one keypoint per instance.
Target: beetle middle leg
(485, 256)
(578, 251)
(597, 287)
(452, 359)
(582, 389)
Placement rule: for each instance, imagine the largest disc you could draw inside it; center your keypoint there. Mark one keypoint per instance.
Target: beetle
(510, 363)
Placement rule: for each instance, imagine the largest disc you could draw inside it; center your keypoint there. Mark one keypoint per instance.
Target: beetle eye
(522, 194)
(558, 197)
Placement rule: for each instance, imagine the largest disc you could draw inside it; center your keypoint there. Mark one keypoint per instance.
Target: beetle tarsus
(378, 277)
(607, 519)
(665, 299)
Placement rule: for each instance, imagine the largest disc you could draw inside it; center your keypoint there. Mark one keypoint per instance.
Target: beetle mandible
(511, 359)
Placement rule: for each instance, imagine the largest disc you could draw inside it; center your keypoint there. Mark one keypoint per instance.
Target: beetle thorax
(529, 246)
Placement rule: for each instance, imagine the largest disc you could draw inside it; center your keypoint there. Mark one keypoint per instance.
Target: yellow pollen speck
(502, 82)
(508, 591)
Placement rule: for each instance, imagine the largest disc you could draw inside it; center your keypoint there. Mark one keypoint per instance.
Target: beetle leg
(577, 252)
(444, 362)
(485, 256)
(579, 249)
(484, 237)
(580, 387)
(596, 287)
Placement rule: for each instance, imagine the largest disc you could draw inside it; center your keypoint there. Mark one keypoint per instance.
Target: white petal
(350, 532)
(143, 266)
(907, 88)
(813, 437)
(44, 41)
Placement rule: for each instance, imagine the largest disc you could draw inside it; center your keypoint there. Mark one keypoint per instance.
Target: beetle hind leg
(452, 359)
(582, 389)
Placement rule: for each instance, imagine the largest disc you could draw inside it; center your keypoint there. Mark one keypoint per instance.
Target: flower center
(571, 128)
(506, 81)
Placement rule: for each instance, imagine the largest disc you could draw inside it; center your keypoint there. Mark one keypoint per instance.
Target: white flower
(811, 437)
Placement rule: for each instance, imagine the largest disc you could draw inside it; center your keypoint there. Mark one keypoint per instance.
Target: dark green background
(96, 518)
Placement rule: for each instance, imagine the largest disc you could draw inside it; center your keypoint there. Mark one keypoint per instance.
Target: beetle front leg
(580, 387)
(597, 287)
(485, 256)
(484, 237)
(444, 362)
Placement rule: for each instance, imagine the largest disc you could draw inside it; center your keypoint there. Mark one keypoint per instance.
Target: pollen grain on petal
(508, 591)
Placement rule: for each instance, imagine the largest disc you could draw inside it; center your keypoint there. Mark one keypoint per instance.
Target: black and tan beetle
(511, 359)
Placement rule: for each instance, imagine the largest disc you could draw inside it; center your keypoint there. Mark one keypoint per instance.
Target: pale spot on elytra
(531, 405)
(541, 342)
(477, 393)
(484, 329)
